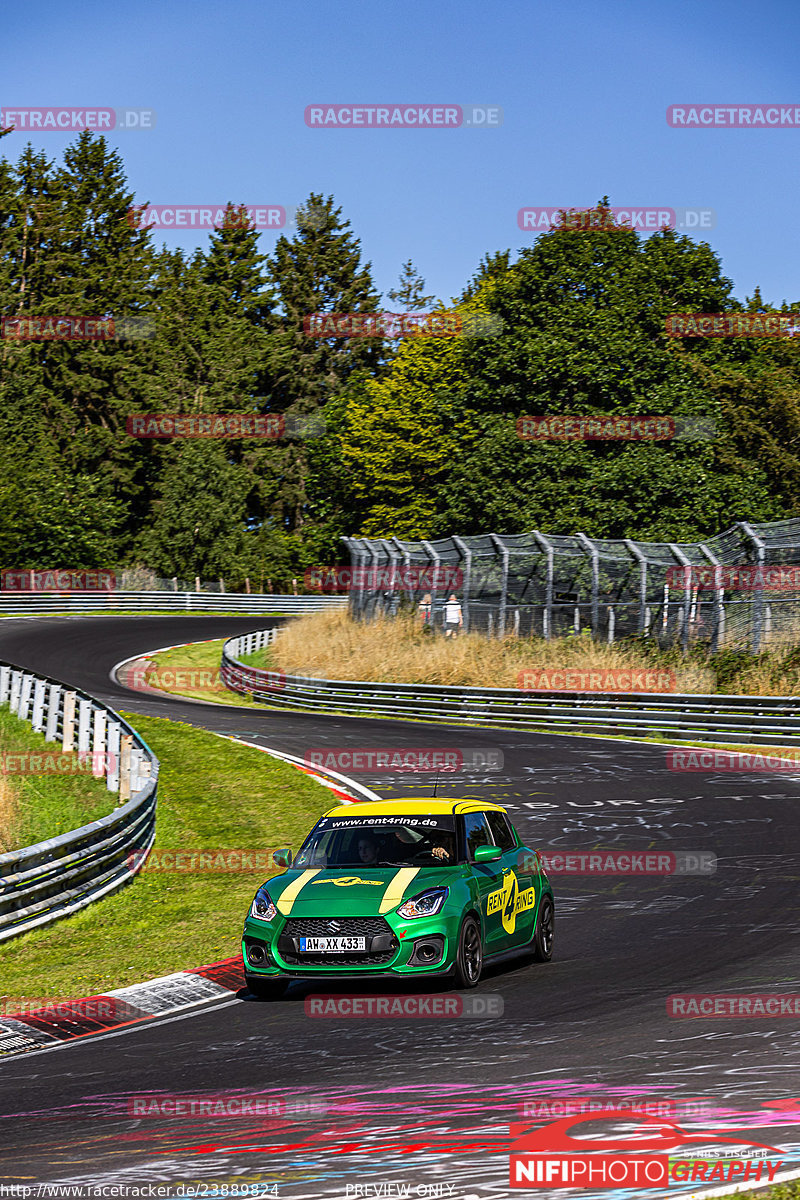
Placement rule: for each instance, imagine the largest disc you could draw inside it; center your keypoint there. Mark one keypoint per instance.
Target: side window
(477, 833)
(502, 831)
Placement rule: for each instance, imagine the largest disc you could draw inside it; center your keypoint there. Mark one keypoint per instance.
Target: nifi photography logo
(551, 1157)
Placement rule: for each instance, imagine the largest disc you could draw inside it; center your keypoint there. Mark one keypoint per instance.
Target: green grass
(212, 794)
(191, 671)
(783, 1191)
(36, 807)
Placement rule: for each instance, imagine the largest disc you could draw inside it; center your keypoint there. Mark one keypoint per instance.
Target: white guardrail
(230, 603)
(54, 878)
(744, 720)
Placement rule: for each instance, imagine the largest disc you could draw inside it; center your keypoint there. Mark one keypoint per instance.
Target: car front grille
(371, 928)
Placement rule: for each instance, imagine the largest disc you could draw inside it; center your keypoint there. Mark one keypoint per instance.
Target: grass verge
(36, 807)
(212, 794)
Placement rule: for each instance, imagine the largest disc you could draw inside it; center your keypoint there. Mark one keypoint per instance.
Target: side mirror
(282, 858)
(487, 854)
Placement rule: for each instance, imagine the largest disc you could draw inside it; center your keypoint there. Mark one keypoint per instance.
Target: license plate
(331, 945)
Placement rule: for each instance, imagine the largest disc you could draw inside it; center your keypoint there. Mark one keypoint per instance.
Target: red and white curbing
(65, 1021)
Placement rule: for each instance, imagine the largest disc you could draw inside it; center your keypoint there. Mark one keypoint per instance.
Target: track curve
(592, 1022)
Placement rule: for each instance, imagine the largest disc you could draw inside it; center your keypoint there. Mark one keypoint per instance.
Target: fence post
(644, 612)
(758, 603)
(547, 615)
(592, 551)
(466, 583)
(687, 594)
(5, 684)
(501, 620)
(68, 727)
(719, 602)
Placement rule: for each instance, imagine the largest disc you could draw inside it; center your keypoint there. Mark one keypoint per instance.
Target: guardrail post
(112, 755)
(37, 720)
(68, 727)
(126, 744)
(16, 684)
(84, 725)
(53, 711)
(99, 744)
(5, 684)
(25, 697)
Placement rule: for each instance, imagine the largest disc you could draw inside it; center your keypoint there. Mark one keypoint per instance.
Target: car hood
(364, 892)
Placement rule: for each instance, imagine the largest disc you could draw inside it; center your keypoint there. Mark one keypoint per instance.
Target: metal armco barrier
(39, 603)
(57, 877)
(750, 720)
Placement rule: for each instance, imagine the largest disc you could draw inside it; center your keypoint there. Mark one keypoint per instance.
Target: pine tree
(411, 292)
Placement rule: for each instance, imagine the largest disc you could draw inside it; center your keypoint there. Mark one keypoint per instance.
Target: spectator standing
(453, 617)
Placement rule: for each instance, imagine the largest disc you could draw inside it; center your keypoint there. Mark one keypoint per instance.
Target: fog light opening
(256, 956)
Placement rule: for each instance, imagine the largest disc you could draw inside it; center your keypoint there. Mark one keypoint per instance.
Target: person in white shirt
(453, 617)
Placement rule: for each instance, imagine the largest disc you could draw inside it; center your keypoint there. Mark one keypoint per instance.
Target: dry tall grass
(397, 650)
(9, 803)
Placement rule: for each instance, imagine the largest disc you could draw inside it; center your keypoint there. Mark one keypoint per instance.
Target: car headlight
(262, 907)
(426, 904)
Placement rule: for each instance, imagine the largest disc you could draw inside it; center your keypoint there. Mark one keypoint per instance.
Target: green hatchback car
(397, 889)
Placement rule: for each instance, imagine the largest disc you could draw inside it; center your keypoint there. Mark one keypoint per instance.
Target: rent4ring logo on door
(508, 900)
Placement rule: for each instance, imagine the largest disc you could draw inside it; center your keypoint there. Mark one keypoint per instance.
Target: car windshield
(380, 841)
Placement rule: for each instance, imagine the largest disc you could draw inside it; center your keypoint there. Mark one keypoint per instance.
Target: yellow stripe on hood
(290, 893)
(394, 892)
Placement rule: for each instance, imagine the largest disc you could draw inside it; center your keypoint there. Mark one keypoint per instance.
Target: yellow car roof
(412, 808)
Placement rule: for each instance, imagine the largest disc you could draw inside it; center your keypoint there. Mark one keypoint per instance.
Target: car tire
(544, 934)
(469, 957)
(266, 989)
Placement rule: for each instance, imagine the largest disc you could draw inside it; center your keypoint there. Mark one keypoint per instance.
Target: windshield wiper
(383, 863)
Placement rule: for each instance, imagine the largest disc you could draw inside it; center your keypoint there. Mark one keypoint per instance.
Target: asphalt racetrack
(427, 1102)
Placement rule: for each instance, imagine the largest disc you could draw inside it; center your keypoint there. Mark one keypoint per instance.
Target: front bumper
(394, 947)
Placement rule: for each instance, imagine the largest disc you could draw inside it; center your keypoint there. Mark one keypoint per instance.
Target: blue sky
(583, 86)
